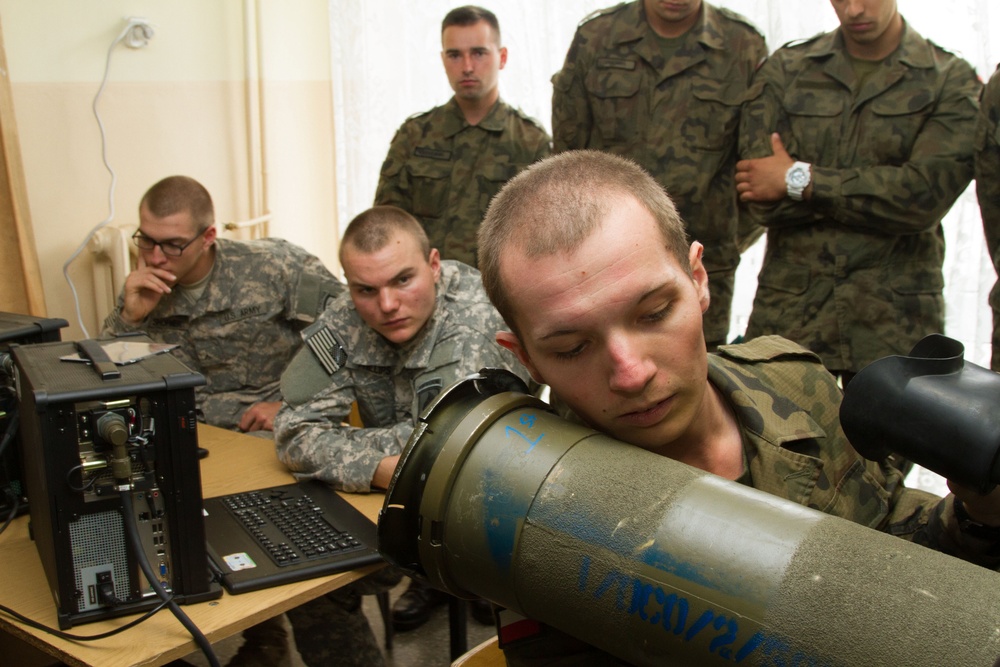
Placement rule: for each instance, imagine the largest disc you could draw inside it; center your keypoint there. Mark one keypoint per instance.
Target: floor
(426, 646)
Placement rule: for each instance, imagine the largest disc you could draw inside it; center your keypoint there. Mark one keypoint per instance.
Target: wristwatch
(797, 179)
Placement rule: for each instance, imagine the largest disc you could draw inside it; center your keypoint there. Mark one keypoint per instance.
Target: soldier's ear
(503, 56)
(509, 341)
(434, 259)
(699, 274)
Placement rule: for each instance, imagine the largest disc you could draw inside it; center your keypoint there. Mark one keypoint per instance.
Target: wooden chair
(487, 654)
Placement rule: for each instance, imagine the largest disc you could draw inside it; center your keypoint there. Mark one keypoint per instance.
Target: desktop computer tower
(23, 330)
(107, 458)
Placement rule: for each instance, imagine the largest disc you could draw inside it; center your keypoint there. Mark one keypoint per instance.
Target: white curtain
(387, 66)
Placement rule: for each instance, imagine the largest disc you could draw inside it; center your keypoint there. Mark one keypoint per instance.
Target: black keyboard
(289, 525)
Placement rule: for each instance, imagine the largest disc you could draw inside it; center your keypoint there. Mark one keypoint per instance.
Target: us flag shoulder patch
(328, 350)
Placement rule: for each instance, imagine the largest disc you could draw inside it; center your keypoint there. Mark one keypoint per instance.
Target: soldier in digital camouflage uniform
(987, 169)
(444, 165)
(410, 326)
(663, 86)
(856, 145)
(611, 322)
(235, 309)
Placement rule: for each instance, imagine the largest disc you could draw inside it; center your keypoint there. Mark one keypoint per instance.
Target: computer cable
(128, 516)
(15, 505)
(13, 418)
(132, 36)
(78, 638)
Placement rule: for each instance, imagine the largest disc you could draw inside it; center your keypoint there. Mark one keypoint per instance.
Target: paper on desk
(124, 352)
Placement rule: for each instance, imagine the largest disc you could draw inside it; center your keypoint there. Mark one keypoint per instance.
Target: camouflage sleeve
(543, 149)
(392, 189)
(987, 170)
(925, 519)
(987, 162)
(315, 442)
(314, 290)
(571, 115)
(913, 196)
(114, 324)
(761, 115)
(905, 197)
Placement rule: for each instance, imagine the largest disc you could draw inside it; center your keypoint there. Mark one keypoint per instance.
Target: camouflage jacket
(245, 327)
(854, 274)
(444, 171)
(677, 118)
(788, 407)
(987, 169)
(345, 361)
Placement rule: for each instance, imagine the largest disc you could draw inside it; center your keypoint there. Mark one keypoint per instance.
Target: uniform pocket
(491, 180)
(815, 119)
(712, 122)
(896, 122)
(784, 277)
(917, 295)
(613, 88)
(429, 183)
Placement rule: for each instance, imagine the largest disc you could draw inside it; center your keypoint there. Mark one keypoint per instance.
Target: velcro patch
(433, 153)
(328, 350)
(615, 63)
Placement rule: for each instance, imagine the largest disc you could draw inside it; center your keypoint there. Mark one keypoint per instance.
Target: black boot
(482, 611)
(413, 608)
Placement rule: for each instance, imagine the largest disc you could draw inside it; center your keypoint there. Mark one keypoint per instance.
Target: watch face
(798, 178)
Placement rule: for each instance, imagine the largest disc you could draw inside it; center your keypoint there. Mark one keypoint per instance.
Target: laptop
(286, 533)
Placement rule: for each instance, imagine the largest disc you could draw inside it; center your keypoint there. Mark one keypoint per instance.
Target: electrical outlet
(138, 32)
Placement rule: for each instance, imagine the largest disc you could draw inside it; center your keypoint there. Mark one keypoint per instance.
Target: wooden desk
(236, 462)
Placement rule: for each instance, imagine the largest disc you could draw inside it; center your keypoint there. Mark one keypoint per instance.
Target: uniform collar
(635, 27)
(775, 431)
(913, 51)
(454, 119)
(704, 35)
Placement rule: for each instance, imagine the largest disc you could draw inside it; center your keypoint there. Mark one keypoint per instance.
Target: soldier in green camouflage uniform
(611, 322)
(880, 133)
(444, 165)
(672, 104)
(410, 326)
(988, 190)
(236, 311)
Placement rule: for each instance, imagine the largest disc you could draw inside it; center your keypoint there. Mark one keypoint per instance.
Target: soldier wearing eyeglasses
(235, 308)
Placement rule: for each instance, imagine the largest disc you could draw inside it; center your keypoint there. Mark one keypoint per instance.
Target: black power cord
(78, 638)
(13, 419)
(140, 555)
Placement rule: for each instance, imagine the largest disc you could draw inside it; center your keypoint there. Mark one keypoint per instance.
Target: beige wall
(178, 106)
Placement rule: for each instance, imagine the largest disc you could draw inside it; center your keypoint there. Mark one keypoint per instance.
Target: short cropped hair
(471, 15)
(177, 194)
(371, 230)
(556, 204)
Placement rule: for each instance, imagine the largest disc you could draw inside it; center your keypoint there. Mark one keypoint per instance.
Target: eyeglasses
(169, 248)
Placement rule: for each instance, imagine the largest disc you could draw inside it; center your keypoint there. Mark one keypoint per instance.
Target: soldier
(987, 169)
(662, 83)
(445, 164)
(235, 309)
(612, 323)
(411, 325)
(856, 145)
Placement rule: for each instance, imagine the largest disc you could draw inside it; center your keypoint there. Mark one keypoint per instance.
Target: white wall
(177, 106)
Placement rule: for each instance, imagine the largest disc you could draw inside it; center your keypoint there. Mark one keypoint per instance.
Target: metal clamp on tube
(657, 562)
